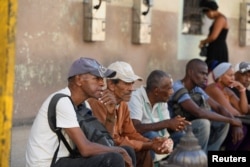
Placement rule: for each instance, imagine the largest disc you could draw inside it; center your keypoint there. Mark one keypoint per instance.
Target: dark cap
(242, 67)
(87, 65)
(208, 5)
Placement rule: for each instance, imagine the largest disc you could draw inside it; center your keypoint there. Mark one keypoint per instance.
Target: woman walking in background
(217, 51)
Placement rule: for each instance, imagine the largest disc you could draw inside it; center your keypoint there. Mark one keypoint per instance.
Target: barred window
(192, 17)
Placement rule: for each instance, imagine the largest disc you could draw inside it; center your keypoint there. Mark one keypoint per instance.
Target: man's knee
(225, 126)
(176, 136)
(115, 155)
(220, 128)
(151, 134)
(115, 159)
(131, 153)
(201, 126)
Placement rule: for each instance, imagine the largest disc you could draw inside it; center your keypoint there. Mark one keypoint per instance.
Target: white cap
(124, 72)
(220, 69)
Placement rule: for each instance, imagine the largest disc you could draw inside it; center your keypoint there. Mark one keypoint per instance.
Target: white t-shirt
(42, 141)
(142, 110)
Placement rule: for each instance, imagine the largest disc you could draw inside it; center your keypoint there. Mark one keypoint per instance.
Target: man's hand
(178, 123)
(162, 145)
(108, 99)
(237, 134)
(236, 122)
(126, 157)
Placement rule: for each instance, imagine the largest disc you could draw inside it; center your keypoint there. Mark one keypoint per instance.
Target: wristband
(242, 90)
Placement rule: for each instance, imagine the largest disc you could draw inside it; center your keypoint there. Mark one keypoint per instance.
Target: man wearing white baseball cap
(112, 110)
(124, 72)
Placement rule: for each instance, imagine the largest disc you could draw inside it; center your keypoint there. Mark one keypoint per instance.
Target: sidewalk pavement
(18, 145)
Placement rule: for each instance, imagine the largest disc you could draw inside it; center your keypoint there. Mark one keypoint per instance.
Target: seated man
(242, 75)
(85, 80)
(112, 110)
(209, 127)
(149, 109)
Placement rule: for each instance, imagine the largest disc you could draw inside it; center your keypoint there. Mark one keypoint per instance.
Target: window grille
(192, 17)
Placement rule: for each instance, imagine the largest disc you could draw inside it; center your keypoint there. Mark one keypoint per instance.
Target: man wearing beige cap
(85, 80)
(115, 115)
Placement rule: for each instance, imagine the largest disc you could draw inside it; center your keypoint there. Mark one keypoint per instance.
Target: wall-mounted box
(244, 30)
(94, 20)
(141, 26)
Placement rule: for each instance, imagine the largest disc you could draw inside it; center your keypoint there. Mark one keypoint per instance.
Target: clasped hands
(178, 123)
(162, 145)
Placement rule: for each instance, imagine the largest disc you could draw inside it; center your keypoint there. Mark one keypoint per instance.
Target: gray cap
(87, 65)
(242, 67)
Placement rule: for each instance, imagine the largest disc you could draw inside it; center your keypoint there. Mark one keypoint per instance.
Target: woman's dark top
(217, 50)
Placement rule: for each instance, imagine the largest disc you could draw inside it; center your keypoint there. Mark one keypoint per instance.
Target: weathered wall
(50, 37)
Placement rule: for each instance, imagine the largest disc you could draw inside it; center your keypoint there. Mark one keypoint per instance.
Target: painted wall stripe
(8, 11)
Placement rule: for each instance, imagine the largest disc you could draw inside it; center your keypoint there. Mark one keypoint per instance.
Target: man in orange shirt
(112, 110)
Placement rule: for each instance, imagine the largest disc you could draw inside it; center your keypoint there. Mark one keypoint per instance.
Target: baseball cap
(242, 67)
(124, 72)
(87, 65)
(220, 69)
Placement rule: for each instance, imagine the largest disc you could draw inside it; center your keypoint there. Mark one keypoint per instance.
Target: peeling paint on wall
(50, 37)
(43, 75)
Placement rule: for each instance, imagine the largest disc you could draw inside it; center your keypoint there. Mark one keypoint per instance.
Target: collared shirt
(122, 130)
(142, 110)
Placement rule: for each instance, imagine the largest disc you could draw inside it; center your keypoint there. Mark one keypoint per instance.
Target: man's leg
(143, 159)
(103, 160)
(176, 136)
(131, 153)
(228, 142)
(201, 130)
(151, 135)
(218, 133)
(245, 145)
